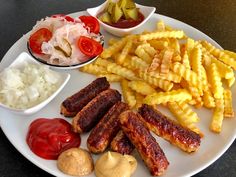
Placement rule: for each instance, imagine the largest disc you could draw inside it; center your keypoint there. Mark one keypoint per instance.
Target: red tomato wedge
(91, 22)
(66, 17)
(89, 46)
(37, 38)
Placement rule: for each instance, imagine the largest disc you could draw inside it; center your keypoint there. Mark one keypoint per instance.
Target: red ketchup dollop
(48, 138)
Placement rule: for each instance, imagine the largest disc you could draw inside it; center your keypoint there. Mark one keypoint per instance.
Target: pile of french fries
(167, 67)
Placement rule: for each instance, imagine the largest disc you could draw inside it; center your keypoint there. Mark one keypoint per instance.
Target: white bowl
(19, 63)
(145, 10)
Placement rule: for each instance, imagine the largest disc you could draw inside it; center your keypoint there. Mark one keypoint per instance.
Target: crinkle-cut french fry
(145, 32)
(196, 61)
(208, 99)
(222, 56)
(192, 102)
(156, 62)
(176, 57)
(157, 82)
(215, 81)
(158, 44)
(169, 28)
(127, 62)
(211, 49)
(185, 60)
(205, 85)
(224, 70)
(141, 87)
(94, 69)
(182, 118)
(112, 41)
(162, 34)
(193, 90)
(141, 53)
(228, 107)
(230, 81)
(230, 53)
(138, 63)
(190, 45)
(218, 116)
(199, 104)
(189, 112)
(169, 96)
(121, 71)
(139, 99)
(125, 51)
(228, 60)
(174, 44)
(161, 26)
(108, 52)
(187, 74)
(149, 49)
(166, 61)
(128, 93)
(170, 76)
(111, 77)
(102, 62)
(206, 59)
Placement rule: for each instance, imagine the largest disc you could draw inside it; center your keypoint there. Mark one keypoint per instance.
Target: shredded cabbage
(27, 87)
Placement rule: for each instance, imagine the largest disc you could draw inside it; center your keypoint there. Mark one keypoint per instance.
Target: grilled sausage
(73, 104)
(144, 142)
(122, 144)
(107, 128)
(89, 116)
(183, 138)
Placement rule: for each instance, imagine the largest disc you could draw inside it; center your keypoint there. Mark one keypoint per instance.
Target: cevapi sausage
(122, 144)
(90, 115)
(103, 133)
(164, 127)
(144, 142)
(73, 104)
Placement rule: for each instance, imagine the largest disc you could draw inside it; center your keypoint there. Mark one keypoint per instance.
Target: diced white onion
(27, 87)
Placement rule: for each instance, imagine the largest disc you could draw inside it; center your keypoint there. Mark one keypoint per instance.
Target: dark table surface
(216, 18)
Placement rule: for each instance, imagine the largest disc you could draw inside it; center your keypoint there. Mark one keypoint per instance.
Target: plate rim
(48, 170)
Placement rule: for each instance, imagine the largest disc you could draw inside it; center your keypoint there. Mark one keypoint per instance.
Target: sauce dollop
(48, 138)
(113, 164)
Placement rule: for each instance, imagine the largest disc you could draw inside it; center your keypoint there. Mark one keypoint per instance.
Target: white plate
(181, 164)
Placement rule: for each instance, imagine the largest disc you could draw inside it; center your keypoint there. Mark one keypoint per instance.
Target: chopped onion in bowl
(27, 87)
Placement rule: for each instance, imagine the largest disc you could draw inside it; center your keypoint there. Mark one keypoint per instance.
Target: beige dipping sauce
(113, 164)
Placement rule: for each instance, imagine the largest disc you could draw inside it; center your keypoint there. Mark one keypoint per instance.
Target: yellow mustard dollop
(113, 164)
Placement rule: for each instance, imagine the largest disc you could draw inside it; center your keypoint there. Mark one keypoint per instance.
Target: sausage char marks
(144, 142)
(90, 115)
(122, 144)
(164, 127)
(103, 133)
(73, 104)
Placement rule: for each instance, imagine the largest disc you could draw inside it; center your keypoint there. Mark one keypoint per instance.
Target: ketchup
(48, 138)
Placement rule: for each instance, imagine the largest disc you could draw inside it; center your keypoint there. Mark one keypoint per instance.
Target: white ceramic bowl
(19, 63)
(145, 10)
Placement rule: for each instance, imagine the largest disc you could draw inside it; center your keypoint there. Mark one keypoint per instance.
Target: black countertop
(216, 18)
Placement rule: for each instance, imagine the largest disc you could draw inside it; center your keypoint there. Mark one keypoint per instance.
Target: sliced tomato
(66, 17)
(91, 22)
(37, 38)
(89, 46)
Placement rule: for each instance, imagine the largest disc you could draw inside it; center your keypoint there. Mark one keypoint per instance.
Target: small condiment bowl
(19, 63)
(147, 12)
